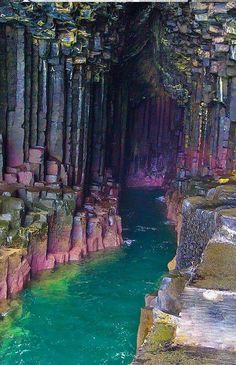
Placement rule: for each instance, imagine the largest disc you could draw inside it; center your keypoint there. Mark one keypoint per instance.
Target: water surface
(88, 313)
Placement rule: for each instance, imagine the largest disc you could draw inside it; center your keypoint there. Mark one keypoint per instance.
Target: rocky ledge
(191, 320)
(42, 226)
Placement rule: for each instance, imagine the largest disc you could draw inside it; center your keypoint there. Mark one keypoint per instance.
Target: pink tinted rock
(18, 272)
(94, 235)
(11, 170)
(38, 257)
(78, 237)
(34, 167)
(10, 178)
(112, 235)
(114, 191)
(174, 203)
(3, 289)
(79, 199)
(15, 153)
(76, 253)
(52, 168)
(39, 263)
(36, 155)
(119, 225)
(61, 257)
(3, 275)
(25, 167)
(25, 177)
(59, 238)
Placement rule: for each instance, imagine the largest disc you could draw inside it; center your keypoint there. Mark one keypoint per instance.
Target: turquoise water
(88, 313)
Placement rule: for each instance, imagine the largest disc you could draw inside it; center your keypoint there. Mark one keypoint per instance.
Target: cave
(101, 99)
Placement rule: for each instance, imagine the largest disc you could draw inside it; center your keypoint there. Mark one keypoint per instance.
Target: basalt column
(55, 107)
(156, 138)
(15, 110)
(58, 183)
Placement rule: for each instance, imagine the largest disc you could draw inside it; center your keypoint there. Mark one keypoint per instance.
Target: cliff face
(61, 147)
(57, 100)
(45, 227)
(184, 68)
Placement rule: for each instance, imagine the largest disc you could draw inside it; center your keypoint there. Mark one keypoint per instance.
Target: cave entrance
(151, 97)
(154, 141)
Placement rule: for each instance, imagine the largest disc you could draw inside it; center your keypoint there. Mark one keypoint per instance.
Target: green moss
(181, 62)
(4, 227)
(218, 267)
(19, 238)
(162, 335)
(14, 206)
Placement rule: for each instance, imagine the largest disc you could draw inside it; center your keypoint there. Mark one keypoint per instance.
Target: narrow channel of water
(88, 313)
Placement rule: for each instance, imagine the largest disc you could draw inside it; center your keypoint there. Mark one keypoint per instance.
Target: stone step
(186, 355)
(207, 319)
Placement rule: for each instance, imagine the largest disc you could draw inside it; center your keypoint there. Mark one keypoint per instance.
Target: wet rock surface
(45, 228)
(197, 300)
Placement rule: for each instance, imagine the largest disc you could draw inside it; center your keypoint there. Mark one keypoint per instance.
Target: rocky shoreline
(41, 227)
(191, 318)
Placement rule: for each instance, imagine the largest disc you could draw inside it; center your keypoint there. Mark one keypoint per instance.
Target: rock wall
(187, 49)
(87, 85)
(45, 227)
(203, 36)
(57, 104)
(152, 160)
(60, 145)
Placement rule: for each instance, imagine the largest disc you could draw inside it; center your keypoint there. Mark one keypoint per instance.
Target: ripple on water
(145, 228)
(128, 242)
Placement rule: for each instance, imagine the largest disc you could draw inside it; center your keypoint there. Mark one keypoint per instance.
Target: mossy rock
(218, 267)
(161, 337)
(36, 216)
(9, 204)
(20, 237)
(4, 228)
(186, 355)
(45, 205)
(16, 239)
(14, 206)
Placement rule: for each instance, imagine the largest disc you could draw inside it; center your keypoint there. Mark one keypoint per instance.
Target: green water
(88, 313)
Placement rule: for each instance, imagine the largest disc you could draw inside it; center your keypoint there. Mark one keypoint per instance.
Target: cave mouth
(79, 108)
(154, 142)
(137, 93)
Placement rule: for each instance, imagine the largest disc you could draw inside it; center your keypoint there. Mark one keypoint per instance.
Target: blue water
(87, 313)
